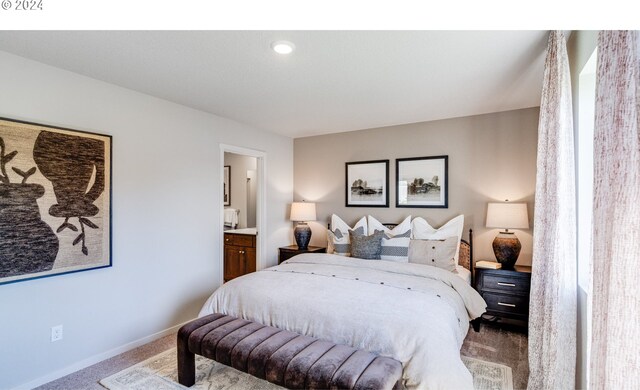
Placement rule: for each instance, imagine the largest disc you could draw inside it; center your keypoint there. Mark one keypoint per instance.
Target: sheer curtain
(615, 350)
(552, 313)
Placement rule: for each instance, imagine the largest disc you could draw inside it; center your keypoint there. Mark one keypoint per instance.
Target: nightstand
(506, 292)
(287, 252)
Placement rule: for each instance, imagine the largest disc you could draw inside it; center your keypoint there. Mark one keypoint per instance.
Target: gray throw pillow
(438, 253)
(366, 247)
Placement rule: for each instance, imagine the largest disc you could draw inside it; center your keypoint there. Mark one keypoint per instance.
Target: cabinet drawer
(511, 304)
(239, 240)
(229, 239)
(506, 284)
(244, 240)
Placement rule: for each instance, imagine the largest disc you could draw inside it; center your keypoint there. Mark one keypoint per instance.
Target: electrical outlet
(56, 333)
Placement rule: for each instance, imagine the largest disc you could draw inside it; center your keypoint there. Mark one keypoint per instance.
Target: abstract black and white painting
(367, 184)
(55, 201)
(422, 182)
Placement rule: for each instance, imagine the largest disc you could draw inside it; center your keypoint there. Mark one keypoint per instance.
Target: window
(586, 119)
(584, 156)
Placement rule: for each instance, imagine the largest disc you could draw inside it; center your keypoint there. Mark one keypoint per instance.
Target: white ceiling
(334, 81)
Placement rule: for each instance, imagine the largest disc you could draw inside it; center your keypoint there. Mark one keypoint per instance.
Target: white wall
(166, 204)
(492, 157)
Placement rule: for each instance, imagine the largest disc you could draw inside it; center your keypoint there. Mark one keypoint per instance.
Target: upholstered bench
(281, 357)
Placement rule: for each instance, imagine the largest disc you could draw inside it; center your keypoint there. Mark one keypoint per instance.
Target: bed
(416, 314)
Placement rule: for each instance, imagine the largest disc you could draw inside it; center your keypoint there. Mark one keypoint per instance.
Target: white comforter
(416, 314)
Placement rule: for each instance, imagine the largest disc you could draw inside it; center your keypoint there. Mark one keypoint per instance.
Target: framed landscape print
(55, 201)
(367, 184)
(227, 186)
(422, 182)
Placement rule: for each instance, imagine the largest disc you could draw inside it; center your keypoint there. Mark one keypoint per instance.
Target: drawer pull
(506, 304)
(506, 284)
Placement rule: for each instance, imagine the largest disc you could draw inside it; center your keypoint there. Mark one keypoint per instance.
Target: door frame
(261, 209)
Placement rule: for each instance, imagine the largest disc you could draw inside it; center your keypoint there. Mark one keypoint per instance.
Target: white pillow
(421, 230)
(330, 240)
(395, 243)
(339, 234)
(437, 253)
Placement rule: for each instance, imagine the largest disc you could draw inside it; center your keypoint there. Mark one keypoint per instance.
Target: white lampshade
(303, 211)
(507, 216)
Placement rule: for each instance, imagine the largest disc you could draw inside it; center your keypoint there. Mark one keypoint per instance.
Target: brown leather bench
(281, 357)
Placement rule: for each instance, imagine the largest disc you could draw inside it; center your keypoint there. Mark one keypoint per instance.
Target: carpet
(160, 373)
(489, 376)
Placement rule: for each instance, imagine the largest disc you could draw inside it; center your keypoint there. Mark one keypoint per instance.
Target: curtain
(552, 312)
(615, 348)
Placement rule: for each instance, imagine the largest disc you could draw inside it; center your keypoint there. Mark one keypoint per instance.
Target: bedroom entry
(242, 208)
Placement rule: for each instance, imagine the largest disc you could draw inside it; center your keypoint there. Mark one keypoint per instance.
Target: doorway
(242, 211)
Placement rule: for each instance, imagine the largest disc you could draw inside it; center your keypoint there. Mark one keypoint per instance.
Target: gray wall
(580, 46)
(166, 213)
(240, 164)
(492, 157)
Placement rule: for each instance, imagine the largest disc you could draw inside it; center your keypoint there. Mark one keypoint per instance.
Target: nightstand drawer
(506, 284)
(512, 304)
(286, 255)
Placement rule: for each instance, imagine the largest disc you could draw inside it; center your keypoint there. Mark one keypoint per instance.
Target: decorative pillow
(339, 235)
(366, 247)
(438, 253)
(421, 230)
(330, 240)
(395, 242)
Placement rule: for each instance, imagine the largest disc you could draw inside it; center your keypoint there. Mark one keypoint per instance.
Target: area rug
(160, 373)
(489, 376)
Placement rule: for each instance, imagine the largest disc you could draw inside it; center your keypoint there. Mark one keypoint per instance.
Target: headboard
(465, 257)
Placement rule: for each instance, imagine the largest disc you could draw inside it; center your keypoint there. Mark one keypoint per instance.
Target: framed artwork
(55, 201)
(367, 184)
(422, 182)
(227, 186)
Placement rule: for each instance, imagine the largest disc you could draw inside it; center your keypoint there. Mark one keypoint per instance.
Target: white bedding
(418, 315)
(464, 273)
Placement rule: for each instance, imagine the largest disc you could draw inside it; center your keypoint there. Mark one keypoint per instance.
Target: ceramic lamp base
(506, 247)
(302, 234)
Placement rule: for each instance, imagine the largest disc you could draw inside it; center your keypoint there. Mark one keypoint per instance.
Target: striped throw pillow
(395, 242)
(339, 235)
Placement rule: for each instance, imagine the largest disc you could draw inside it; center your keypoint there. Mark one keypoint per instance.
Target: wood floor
(491, 344)
(502, 346)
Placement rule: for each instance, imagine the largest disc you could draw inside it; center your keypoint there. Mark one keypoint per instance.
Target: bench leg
(186, 363)
(186, 359)
(476, 324)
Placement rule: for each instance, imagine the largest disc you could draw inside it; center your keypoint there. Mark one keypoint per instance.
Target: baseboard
(96, 359)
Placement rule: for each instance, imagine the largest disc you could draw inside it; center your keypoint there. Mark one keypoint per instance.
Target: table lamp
(506, 245)
(302, 212)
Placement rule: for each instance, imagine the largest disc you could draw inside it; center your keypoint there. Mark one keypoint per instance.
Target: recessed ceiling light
(283, 47)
